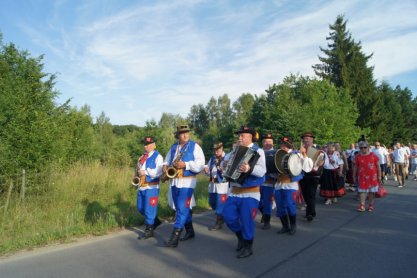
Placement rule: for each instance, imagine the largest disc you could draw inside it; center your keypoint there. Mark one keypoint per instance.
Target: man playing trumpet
(187, 157)
(148, 171)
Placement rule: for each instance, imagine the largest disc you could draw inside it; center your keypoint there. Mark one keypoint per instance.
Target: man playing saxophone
(242, 204)
(149, 169)
(187, 157)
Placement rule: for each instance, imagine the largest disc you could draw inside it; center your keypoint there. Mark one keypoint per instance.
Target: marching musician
(187, 157)
(267, 188)
(218, 187)
(149, 169)
(242, 204)
(286, 189)
(310, 180)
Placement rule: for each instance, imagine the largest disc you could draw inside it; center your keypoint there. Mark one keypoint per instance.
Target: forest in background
(339, 104)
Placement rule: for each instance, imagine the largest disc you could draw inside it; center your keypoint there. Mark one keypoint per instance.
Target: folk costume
(243, 201)
(218, 187)
(182, 186)
(267, 188)
(331, 184)
(286, 191)
(148, 191)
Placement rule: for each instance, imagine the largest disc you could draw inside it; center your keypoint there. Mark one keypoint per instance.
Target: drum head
(279, 155)
(295, 166)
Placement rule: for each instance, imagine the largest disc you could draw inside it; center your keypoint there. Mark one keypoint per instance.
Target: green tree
(27, 111)
(345, 65)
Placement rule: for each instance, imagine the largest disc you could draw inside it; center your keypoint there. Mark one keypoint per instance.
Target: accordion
(238, 156)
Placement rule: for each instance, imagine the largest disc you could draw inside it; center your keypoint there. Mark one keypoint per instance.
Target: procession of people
(255, 177)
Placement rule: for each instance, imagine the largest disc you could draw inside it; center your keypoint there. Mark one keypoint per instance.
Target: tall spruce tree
(345, 65)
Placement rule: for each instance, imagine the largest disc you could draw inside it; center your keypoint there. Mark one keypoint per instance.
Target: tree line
(339, 104)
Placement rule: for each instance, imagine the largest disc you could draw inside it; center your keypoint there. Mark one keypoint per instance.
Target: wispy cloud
(144, 59)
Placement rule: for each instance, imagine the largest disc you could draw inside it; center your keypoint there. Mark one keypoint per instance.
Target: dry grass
(89, 199)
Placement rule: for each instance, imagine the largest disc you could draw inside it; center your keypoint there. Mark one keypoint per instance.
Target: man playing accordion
(242, 204)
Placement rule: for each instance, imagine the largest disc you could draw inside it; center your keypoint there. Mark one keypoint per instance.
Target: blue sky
(135, 60)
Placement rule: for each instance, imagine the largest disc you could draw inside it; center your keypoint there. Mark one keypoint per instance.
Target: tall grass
(87, 199)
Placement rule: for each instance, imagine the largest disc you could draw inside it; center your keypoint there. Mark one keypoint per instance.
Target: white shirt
(259, 170)
(337, 161)
(153, 173)
(382, 154)
(399, 155)
(196, 166)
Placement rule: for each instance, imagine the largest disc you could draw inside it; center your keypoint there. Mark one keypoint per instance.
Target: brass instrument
(172, 172)
(137, 180)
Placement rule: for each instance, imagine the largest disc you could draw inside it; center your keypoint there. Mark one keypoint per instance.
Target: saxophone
(137, 180)
(172, 172)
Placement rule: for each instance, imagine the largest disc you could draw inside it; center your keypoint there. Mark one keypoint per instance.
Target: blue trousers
(147, 204)
(285, 199)
(217, 202)
(182, 200)
(265, 205)
(239, 215)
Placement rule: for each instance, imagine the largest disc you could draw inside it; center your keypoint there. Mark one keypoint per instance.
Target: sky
(134, 60)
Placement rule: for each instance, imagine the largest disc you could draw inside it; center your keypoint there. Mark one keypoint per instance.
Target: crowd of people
(255, 177)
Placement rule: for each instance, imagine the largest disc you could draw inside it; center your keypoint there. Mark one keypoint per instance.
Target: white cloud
(140, 61)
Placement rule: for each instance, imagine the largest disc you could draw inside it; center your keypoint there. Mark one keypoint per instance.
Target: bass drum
(279, 156)
(292, 164)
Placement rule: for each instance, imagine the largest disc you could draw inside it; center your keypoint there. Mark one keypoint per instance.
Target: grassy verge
(86, 200)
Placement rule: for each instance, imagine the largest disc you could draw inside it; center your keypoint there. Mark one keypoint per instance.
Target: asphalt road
(340, 242)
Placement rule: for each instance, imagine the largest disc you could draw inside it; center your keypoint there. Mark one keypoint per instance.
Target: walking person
(367, 173)
(243, 201)
(148, 171)
(267, 188)
(218, 187)
(310, 180)
(183, 162)
(331, 186)
(400, 157)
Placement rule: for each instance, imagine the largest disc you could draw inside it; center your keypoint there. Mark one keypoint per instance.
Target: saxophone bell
(136, 181)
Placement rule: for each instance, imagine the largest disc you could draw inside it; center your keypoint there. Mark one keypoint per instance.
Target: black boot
(148, 231)
(175, 236)
(189, 231)
(267, 220)
(246, 250)
(293, 228)
(219, 223)
(262, 218)
(156, 223)
(285, 225)
(240, 241)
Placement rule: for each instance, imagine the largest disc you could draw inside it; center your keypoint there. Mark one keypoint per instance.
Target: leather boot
(285, 225)
(189, 231)
(219, 223)
(293, 228)
(239, 241)
(148, 231)
(175, 236)
(267, 220)
(156, 223)
(262, 218)
(246, 250)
